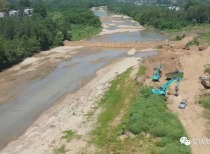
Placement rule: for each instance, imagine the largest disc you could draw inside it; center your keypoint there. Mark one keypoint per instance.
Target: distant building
(178, 8)
(14, 13)
(29, 11)
(3, 14)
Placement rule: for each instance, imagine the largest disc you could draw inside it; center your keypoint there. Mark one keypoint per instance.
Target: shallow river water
(18, 115)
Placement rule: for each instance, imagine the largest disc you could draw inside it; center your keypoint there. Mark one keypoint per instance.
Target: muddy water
(18, 115)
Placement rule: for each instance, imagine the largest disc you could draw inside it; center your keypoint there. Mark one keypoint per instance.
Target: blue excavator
(162, 90)
(156, 76)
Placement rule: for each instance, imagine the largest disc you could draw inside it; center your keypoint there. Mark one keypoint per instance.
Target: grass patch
(152, 127)
(149, 114)
(207, 70)
(180, 37)
(196, 27)
(112, 102)
(205, 101)
(206, 37)
(80, 32)
(193, 42)
(141, 71)
(69, 135)
(61, 150)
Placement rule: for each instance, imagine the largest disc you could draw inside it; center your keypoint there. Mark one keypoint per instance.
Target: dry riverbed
(30, 69)
(71, 113)
(44, 136)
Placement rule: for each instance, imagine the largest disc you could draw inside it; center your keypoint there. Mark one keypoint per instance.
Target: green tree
(69, 35)
(59, 38)
(41, 10)
(24, 3)
(4, 6)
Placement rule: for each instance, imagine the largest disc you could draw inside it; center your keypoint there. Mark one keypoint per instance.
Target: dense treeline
(159, 17)
(162, 17)
(23, 36)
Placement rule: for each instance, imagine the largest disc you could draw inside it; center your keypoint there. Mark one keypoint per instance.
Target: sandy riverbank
(32, 68)
(115, 25)
(70, 114)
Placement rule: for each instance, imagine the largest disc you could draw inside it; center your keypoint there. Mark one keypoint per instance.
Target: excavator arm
(157, 74)
(162, 90)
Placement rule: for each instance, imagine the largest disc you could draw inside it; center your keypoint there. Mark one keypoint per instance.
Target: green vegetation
(180, 37)
(69, 135)
(82, 32)
(49, 26)
(207, 70)
(141, 71)
(206, 37)
(193, 42)
(153, 15)
(205, 101)
(61, 150)
(161, 17)
(144, 124)
(149, 114)
(112, 103)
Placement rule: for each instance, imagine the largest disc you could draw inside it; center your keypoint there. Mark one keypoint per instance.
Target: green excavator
(156, 76)
(162, 90)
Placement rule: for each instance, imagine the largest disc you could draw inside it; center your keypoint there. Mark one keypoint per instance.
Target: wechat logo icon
(185, 141)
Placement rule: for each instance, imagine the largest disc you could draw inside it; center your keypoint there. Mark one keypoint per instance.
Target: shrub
(207, 70)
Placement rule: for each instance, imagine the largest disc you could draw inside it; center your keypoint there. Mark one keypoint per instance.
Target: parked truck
(173, 75)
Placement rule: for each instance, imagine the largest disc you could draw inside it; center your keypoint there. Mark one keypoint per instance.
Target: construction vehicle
(205, 81)
(156, 76)
(173, 75)
(162, 90)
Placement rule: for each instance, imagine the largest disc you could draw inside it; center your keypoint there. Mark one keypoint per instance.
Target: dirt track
(136, 45)
(192, 64)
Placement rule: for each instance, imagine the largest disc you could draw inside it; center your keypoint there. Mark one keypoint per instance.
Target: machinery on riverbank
(157, 75)
(162, 90)
(173, 75)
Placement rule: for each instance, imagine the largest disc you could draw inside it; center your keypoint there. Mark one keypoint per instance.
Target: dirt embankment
(129, 45)
(192, 63)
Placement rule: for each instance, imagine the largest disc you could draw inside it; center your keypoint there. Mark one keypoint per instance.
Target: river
(17, 115)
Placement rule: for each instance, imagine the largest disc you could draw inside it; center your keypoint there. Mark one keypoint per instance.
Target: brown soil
(129, 45)
(192, 63)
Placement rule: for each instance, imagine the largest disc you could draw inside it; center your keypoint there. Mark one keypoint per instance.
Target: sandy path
(69, 114)
(192, 117)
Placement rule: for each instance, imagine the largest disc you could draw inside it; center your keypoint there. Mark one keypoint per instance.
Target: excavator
(162, 90)
(156, 76)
